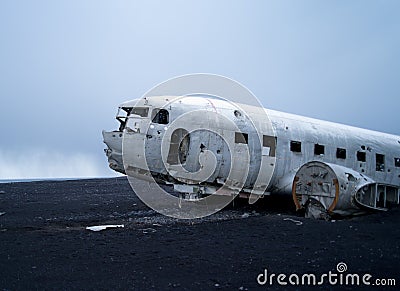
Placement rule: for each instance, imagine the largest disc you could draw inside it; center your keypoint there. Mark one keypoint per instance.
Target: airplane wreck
(328, 168)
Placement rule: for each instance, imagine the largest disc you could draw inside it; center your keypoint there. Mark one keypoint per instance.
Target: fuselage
(171, 135)
(301, 140)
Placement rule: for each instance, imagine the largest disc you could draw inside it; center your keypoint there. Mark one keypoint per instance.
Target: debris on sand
(103, 227)
(148, 230)
(297, 222)
(2, 213)
(245, 215)
(2, 192)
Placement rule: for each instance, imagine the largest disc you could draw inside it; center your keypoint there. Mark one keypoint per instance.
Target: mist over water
(41, 164)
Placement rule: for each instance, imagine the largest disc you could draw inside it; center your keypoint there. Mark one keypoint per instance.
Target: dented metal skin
(328, 168)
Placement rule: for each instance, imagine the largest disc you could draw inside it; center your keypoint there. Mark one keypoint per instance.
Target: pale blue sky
(66, 65)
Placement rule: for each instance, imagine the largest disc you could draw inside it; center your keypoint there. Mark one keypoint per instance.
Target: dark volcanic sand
(44, 243)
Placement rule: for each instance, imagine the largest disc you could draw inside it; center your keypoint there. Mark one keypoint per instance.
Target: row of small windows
(295, 146)
(341, 153)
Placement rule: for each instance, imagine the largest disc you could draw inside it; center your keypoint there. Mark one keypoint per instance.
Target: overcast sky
(66, 65)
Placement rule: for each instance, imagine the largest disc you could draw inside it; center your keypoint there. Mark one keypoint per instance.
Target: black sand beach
(44, 243)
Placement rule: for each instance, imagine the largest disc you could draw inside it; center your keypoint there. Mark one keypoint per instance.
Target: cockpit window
(161, 116)
(122, 115)
(141, 111)
(125, 112)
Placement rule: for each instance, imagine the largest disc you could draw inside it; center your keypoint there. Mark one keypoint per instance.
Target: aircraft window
(319, 149)
(270, 142)
(122, 114)
(124, 111)
(161, 117)
(295, 146)
(341, 153)
(361, 157)
(380, 163)
(397, 162)
(141, 111)
(241, 137)
(237, 113)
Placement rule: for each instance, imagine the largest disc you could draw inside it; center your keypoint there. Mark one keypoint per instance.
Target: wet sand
(44, 243)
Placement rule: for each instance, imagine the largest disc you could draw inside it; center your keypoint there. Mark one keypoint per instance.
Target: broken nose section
(113, 140)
